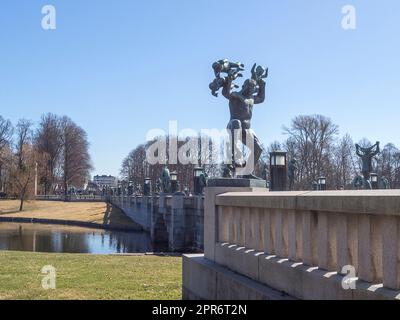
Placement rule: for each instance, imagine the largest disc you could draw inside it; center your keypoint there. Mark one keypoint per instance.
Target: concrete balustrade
(299, 242)
(326, 238)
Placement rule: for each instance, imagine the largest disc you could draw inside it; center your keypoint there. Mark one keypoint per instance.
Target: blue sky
(120, 68)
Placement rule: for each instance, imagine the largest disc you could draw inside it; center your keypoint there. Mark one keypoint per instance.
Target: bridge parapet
(175, 222)
(304, 243)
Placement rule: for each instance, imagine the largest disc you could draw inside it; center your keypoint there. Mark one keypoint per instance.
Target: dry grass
(83, 276)
(94, 212)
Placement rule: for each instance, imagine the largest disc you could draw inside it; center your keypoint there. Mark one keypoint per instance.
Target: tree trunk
(65, 189)
(21, 204)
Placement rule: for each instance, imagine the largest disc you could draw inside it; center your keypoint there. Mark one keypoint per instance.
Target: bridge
(277, 245)
(175, 222)
(297, 245)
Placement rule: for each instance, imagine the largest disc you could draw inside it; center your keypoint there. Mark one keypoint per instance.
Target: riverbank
(83, 276)
(85, 214)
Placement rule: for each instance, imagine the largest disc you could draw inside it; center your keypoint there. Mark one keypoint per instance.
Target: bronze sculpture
(292, 168)
(158, 186)
(202, 182)
(366, 155)
(384, 183)
(240, 105)
(166, 180)
(231, 69)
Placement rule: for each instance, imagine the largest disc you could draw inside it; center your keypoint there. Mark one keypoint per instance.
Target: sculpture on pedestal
(366, 154)
(147, 188)
(166, 180)
(292, 168)
(384, 183)
(158, 186)
(241, 106)
(202, 181)
(358, 183)
(138, 189)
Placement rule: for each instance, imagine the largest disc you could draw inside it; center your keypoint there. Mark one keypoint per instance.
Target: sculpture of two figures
(241, 108)
(292, 168)
(366, 154)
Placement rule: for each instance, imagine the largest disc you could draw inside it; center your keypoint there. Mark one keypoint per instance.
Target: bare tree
(310, 140)
(75, 158)
(344, 162)
(135, 167)
(48, 144)
(22, 168)
(6, 132)
(388, 164)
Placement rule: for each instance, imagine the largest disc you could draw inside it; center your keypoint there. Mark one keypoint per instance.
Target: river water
(69, 239)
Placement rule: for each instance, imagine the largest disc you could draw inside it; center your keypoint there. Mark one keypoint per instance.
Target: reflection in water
(54, 238)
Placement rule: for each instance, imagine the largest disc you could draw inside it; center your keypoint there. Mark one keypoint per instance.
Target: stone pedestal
(214, 188)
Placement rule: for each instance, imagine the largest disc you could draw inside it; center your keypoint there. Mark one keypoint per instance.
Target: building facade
(105, 181)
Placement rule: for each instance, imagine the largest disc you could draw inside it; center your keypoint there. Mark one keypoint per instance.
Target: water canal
(69, 239)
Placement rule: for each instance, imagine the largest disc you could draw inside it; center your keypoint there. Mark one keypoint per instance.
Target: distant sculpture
(360, 183)
(366, 155)
(292, 168)
(147, 188)
(166, 180)
(130, 189)
(240, 105)
(138, 189)
(227, 171)
(384, 183)
(202, 181)
(186, 191)
(158, 186)
(264, 173)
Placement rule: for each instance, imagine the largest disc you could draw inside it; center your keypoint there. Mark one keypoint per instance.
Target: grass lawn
(96, 212)
(82, 276)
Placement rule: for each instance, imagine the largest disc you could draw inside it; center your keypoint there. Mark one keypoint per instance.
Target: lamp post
(321, 183)
(174, 182)
(374, 180)
(278, 168)
(197, 172)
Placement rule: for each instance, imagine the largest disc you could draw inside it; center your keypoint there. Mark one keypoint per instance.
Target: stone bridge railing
(175, 222)
(304, 244)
